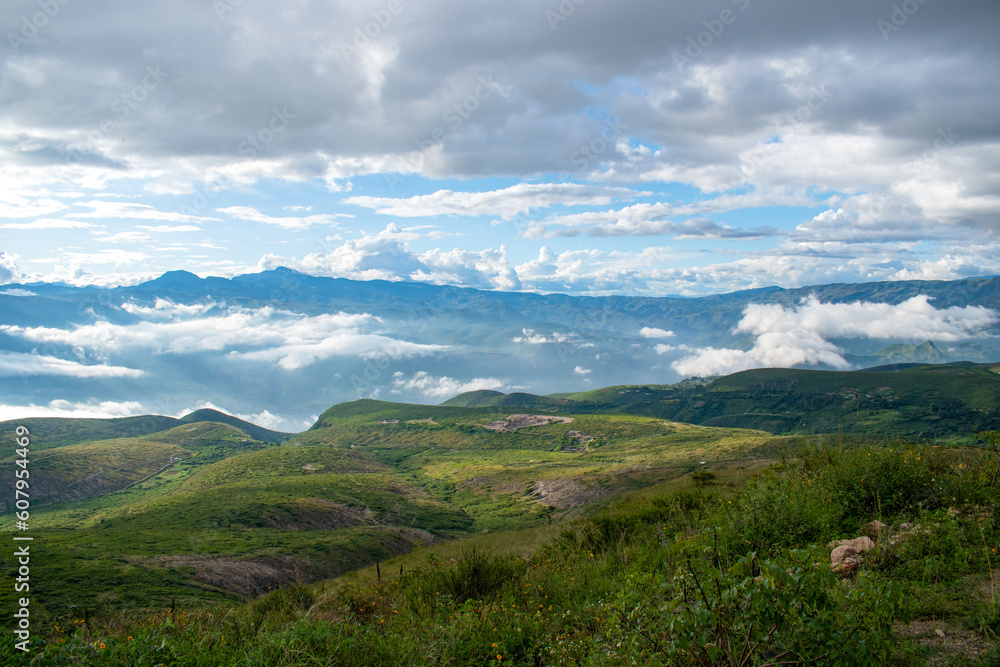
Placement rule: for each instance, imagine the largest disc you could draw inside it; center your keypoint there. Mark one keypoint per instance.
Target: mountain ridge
(328, 340)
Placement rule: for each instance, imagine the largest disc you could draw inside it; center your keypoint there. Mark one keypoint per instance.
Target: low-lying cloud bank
(444, 387)
(291, 340)
(66, 409)
(802, 335)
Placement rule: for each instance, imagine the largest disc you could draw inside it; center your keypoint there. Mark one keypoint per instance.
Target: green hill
(473, 399)
(254, 431)
(101, 467)
(946, 401)
(213, 517)
(930, 401)
(925, 353)
(48, 432)
(495, 399)
(203, 510)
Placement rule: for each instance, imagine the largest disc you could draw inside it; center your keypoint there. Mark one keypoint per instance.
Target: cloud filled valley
(284, 346)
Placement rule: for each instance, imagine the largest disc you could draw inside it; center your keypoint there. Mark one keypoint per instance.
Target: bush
(282, 603)
(474, 575)
(758, 612)
(876, 482)
(774, 512)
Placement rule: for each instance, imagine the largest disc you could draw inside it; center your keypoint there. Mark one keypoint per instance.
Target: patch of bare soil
(514, 422)
(417, 536)
(947, 643)
(319, 514)
(244, 577)
(421, 421)
(565, 493)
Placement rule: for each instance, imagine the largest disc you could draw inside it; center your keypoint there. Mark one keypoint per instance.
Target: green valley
(203, 515)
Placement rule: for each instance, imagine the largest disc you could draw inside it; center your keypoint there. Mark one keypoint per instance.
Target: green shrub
(282, 603)
(778, 511)
(756, 612)
(474, 575)
(879, 482)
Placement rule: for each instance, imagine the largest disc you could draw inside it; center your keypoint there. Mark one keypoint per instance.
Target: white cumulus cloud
(653, 332)
(13, 364)
(443, 387)
(167, 309)
(61, 408)
(802, 335)
(263, 334)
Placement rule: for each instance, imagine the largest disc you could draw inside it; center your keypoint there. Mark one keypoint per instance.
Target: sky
(581, 146)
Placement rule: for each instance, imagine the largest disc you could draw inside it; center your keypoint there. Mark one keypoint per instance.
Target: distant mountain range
(49, 432)
(278, 347)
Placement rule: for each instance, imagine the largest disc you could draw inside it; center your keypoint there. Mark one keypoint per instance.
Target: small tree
(703, 478)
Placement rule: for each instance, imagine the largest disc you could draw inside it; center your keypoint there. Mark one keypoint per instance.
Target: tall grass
(699, 576)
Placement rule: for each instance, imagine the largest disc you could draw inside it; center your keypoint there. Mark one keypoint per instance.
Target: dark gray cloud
(220, 78)
(884, 111)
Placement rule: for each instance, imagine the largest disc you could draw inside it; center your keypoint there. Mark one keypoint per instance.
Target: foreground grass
(704, 575)
(232, 518)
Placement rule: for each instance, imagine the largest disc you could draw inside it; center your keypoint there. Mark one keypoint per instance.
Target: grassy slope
(226, 521)
(934, 401)
(738, 567)
(49, 432)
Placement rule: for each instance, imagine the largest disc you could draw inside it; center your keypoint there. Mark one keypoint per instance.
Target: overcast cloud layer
(578, 146)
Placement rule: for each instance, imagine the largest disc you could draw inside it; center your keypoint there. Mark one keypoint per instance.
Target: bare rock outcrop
(847, 554)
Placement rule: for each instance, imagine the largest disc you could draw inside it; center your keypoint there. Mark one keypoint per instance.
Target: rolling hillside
(943, 402)
(48, 432)
(202, 510)
(209, 516)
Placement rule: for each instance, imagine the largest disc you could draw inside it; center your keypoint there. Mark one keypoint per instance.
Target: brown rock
(874, 528)
(859, 544)
(842, 554)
